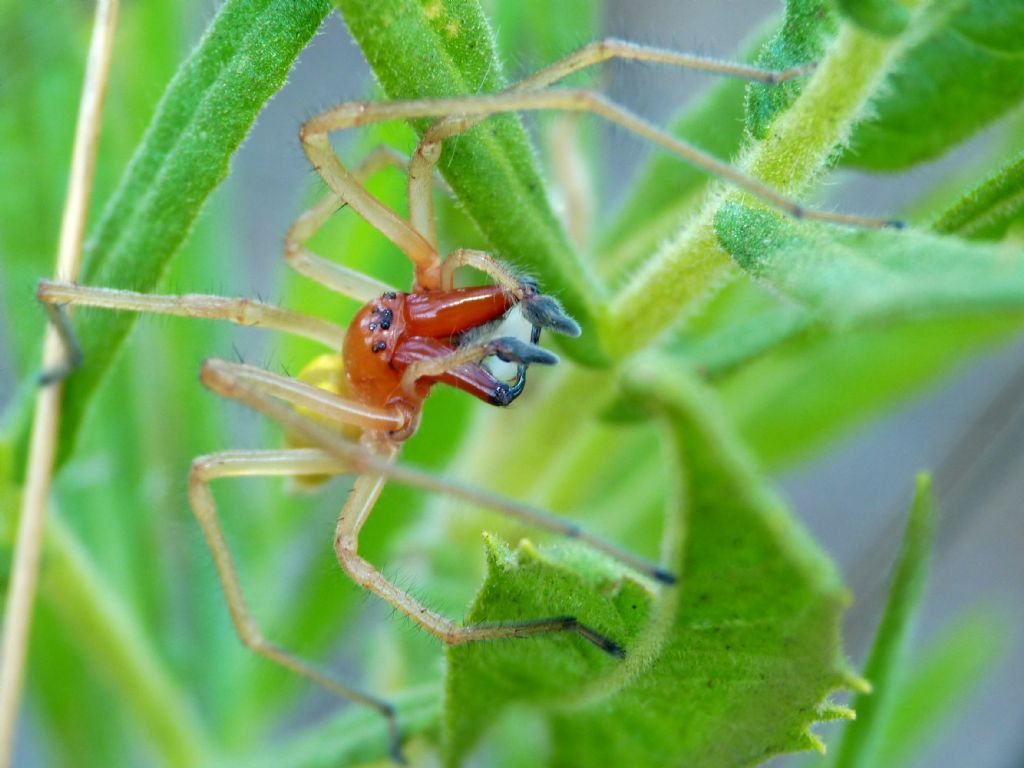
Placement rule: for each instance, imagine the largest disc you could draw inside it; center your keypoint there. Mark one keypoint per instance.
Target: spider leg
(225, 376)
(346, 543)
(507, 348)
(239, 311)
(55, 296)
(611, 48)
(336, 277)
(469, 110)
(347, 186)
(221, 377)
(484, 262)
(288, 463)
(427, 153)
(330, 274)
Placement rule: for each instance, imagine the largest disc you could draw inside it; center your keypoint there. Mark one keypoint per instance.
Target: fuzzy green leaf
(892, 640)
(885, 17)
(808, 26)
(447, 49)
(988, 210)
(849, 277)
(732, 666)
(962, 71)
(204, 115)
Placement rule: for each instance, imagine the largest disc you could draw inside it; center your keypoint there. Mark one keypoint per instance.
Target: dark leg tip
(394, 737)
(513, 350)
(896, 224)
(396, 755)
(613, 649)
(53, 376)
(665, 577)
(603, 642)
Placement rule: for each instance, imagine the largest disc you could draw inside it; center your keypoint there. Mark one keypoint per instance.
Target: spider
(351, 410)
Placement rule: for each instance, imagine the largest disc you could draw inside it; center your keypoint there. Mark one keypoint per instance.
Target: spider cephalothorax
(396, 332)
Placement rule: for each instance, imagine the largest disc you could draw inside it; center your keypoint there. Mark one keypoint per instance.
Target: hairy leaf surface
(749, 636)
(848, 277)
(204, 115)
(961, 71)
(990, 208)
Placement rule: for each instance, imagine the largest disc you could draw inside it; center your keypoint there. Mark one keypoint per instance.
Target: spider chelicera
(355, 409)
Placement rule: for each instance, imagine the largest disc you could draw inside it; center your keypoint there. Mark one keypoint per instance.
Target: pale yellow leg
(239, 311)
(227, 375)
(482, 261)
(222, 377)
(471, 108)
(346, 543)
(332, 275)
(293, 463)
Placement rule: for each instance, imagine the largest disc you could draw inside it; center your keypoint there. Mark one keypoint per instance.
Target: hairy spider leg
(231, 381)
(345, 457)
(240, 311)
(482, 261)
(287, 463)
(461, 113)
(428, 151)
(330, 274)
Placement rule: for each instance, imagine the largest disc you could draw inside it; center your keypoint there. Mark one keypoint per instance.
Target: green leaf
(961, 72)
(447, 49)
(807, 391)
(938, 685)
(106, 634)
(885, 17)
(358, 736)
(886, 661)
(204, 115)
(878, 314)
(731, 667)
(988, 210)
(692, 265)
(848, 277)
(807, 28)
(535, 32)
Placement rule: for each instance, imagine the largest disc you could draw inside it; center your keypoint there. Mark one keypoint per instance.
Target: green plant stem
(106, 628)
(692, 265)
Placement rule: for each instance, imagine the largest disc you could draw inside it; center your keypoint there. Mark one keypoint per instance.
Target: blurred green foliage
(134, 660)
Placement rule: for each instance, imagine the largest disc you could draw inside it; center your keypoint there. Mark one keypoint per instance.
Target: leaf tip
(829, 712)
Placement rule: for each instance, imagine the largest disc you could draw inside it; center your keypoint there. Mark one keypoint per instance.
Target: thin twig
(32, 525)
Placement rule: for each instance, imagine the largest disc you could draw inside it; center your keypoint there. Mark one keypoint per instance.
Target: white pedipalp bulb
(512, 324)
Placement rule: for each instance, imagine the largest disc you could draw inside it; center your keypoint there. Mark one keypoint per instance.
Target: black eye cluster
(385, 316)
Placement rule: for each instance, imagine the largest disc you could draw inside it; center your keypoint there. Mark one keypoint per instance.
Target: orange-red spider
(353, 410)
